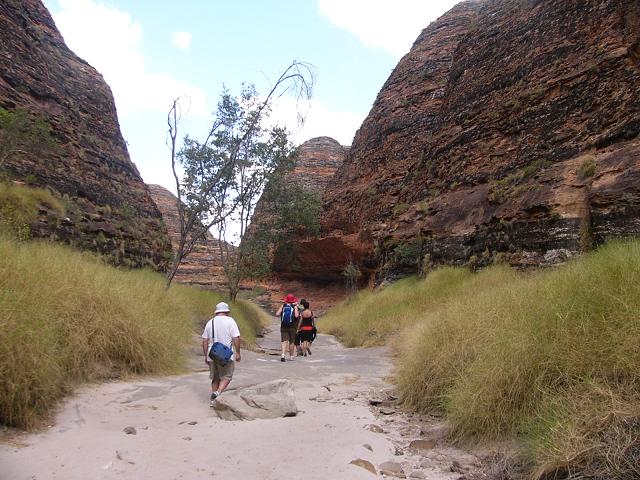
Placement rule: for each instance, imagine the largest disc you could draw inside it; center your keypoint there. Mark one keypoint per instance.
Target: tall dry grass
(551, 358)
(372, 319)
(65, 318)
(19, 206)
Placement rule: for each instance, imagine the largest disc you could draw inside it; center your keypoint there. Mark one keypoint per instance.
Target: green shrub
(400, 208)
(406, 255)
(67, 318)
(587, 167)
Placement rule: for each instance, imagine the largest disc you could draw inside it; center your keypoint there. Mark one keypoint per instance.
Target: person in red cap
(289, 315)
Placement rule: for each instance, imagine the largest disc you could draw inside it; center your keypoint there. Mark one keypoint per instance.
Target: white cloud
(391, 26)
(319, 120)
(181, 40)
(110, 40)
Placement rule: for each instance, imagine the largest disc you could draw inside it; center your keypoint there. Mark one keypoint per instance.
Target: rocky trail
(329, 415)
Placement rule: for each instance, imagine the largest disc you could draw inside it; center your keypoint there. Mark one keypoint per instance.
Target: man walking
(224, 329)
(288, 314)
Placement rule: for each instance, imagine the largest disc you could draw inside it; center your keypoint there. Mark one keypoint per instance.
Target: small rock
(392, 469)
(193, 423)
(387, 411)
(364, 464)
(417, 474)
(129, 430)
(457, 468)
(422, 444)
(186, 438)
(375, 401)
(398, 452)
(368, 447)
(374, 428)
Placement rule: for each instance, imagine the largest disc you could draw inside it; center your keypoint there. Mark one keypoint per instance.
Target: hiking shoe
(309, 351)
(282, 359)
(290, 358)
(212, 401)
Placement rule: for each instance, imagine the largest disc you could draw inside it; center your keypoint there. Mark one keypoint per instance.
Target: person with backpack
(307, 328)
(288, 314)
(297, 342)
(220, 334)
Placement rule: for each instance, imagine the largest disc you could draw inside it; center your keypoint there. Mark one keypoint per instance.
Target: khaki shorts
(218, 371)
(288, 334)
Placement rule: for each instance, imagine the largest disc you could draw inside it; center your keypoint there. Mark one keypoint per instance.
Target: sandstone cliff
(509, 130)
(316, 162)
(108, 206)
(203, 265)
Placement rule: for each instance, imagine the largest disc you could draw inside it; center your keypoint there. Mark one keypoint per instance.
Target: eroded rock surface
(510, 129)
(108, 205)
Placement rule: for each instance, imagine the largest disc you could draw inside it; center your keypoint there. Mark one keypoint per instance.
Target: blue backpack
(287, 317)
(219, 351)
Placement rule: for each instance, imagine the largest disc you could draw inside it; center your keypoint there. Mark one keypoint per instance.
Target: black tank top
(307, 322)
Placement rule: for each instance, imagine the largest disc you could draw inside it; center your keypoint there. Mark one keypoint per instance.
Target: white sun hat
(222, 307)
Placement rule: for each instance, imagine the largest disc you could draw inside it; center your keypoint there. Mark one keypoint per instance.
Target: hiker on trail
(306, 328)
(221, 328)
(288, 314)
(297, 342)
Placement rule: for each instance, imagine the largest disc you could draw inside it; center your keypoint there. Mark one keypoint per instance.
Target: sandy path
(179, 437)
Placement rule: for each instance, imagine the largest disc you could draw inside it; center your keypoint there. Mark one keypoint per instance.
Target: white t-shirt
(226, 329)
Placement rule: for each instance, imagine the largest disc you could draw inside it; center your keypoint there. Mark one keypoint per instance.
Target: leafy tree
(288, 211)
(20, 135)
(224, 175)
(297, 210)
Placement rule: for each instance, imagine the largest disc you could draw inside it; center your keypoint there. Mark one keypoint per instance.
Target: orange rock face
(510, 128)
(108, 206)
(203, 265)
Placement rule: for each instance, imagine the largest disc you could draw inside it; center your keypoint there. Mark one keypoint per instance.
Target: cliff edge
(509, 132)
(109, 209)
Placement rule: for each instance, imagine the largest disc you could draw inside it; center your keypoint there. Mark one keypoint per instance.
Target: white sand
(332, 389)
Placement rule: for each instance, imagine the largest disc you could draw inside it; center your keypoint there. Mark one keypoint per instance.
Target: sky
(153, 51)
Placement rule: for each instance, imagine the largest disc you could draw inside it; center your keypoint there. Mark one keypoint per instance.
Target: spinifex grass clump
(550, 358)
(65, 318)
(372, 318)
(19, 207)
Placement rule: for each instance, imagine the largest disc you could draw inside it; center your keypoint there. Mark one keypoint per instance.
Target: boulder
(273, 399)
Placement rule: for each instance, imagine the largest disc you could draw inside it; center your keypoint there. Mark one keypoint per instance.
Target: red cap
(290, 299)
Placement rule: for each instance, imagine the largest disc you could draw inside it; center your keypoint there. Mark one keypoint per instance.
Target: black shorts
(306, 336)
